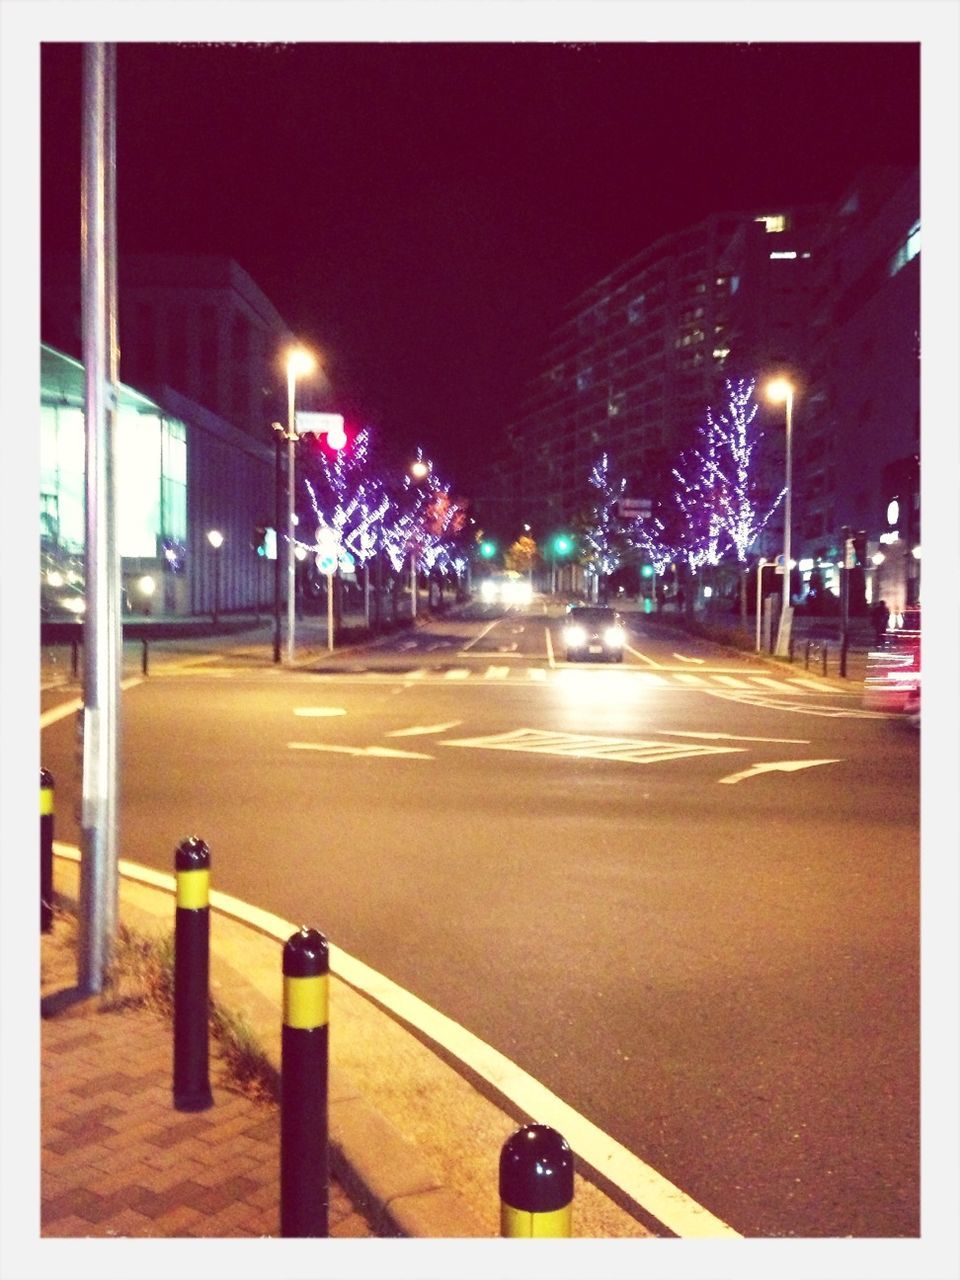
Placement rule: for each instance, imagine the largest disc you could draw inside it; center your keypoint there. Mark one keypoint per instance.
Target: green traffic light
(488, 550)
(562, 544)
(647, 571)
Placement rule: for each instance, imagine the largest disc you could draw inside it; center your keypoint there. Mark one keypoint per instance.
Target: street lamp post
(781, 392)
(760, 563)
(419, 470)
(299, 361)
(215, 538)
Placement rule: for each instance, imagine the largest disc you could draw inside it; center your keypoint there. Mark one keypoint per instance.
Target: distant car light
(73, 604)
(488, 591)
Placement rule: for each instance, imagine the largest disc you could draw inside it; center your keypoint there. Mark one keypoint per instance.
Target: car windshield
(587, 614)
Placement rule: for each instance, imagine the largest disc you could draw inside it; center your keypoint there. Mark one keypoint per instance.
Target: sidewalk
(117, 1159)
(414, 1145)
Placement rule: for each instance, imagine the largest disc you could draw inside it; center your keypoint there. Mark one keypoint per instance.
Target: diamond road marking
(589, 746)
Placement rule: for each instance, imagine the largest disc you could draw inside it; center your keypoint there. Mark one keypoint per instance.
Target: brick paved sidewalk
(118, 1160)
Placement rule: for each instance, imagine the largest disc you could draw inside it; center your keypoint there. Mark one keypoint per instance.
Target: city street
(681, 892)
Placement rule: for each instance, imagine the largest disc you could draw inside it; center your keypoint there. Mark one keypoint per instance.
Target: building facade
(181, 472)
(826, 295)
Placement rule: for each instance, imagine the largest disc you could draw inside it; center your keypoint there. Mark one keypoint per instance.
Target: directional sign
(631, 508)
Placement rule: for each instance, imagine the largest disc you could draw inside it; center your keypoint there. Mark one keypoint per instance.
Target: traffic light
(562, 544)
(647, 571)
(860, 548)
(259, 543)
(488, 549)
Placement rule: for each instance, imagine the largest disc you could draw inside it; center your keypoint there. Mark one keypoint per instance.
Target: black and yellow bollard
(536, 1183)
(191, 979)
(46, 851)
(304, 1158)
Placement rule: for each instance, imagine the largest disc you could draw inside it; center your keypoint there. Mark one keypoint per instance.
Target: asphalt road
(683, 893)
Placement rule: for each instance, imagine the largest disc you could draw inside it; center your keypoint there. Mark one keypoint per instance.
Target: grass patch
(142, 976)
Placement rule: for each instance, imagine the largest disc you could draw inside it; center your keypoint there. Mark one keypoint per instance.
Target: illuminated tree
(602, 530)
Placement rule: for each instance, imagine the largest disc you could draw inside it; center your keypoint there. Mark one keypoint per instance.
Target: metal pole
(102, 627)
(787, 509)
(277, 519)
(413, 582)
(330, 611)
(760, 565)
(291, 480)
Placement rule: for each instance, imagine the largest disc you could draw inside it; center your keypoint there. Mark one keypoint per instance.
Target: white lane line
(496, 673)
(384, 753)
(486, 630)
(319, 711)
(682, 657)
(647, 1188)
(642, 656)
(417, 729)
(777, 766)
(68, 708)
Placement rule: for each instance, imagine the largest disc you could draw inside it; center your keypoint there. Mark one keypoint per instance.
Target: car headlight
(614, 637)
(572, 636)
(488, 591)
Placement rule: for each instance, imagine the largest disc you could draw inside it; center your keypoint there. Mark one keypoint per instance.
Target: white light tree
(602, 532)
(719, 494)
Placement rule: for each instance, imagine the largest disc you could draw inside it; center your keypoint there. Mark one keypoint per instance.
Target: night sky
(422, 213)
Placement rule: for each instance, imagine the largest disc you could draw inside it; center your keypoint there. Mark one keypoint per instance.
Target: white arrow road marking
(319, 711)
(386, 753)
(737, 737)
(777, 766)
(423, 728)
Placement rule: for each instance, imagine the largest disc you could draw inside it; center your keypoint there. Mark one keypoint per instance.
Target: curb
(387, 1174)
(412, 1138)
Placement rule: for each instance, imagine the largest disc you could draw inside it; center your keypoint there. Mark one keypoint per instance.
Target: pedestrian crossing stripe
(589, 746)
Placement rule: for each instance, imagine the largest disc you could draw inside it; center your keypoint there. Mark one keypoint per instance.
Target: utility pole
(102, 650)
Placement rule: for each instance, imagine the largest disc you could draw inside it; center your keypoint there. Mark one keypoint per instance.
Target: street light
(215, 538)
(419, 470)
(299, 362)
(780, 391)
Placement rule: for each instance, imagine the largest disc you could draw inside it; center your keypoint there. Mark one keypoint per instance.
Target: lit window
(773, 222)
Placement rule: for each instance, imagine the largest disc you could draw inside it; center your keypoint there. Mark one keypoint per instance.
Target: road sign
(634, 508)
(326, 562)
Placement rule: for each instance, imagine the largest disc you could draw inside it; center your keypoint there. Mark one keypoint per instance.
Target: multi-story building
(641, 355)
(857, 425)
(201, 363)
(195, 323)
(827, 296)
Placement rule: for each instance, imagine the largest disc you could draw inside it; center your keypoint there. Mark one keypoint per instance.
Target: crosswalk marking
(686, 677)
(457, 673)
(537, 673)
(496, 673)
(732, 682)
(589, 746)
(805, 684)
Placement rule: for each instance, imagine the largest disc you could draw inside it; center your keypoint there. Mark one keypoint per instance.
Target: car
(892, 678)
(593, 631)
(508, 588)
